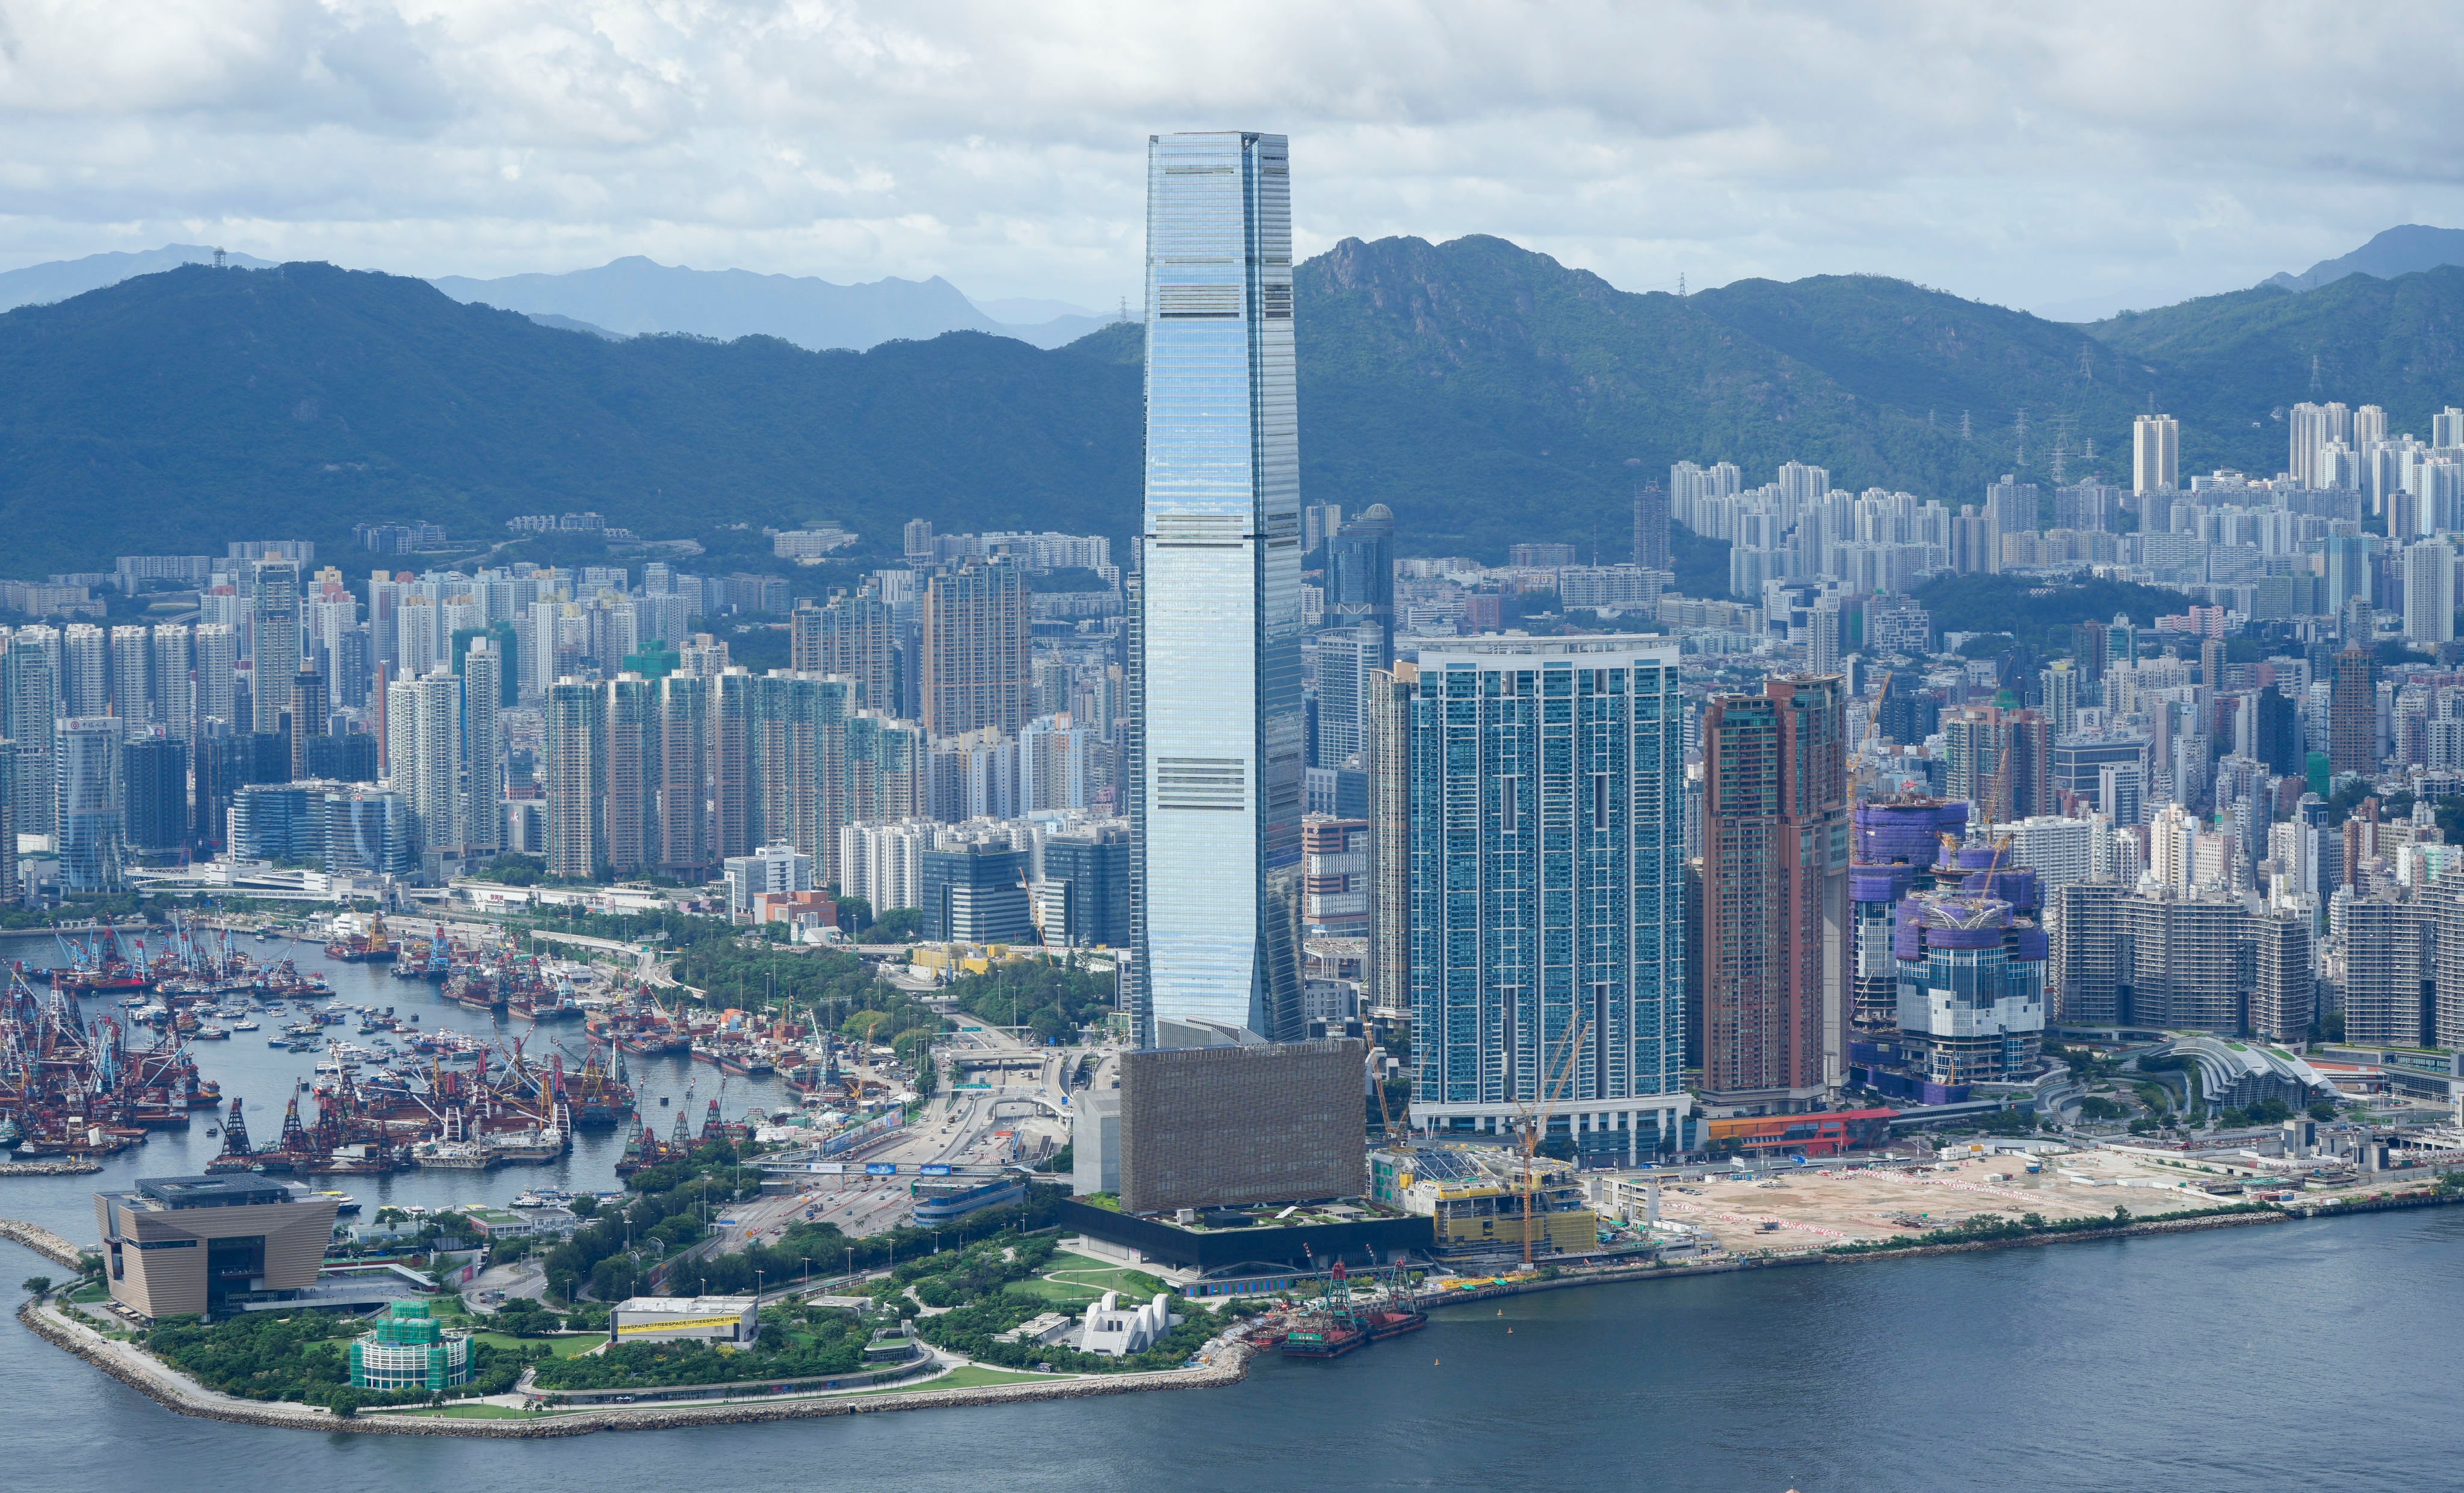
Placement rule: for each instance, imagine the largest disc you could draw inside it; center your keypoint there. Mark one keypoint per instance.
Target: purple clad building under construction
(1951, 955)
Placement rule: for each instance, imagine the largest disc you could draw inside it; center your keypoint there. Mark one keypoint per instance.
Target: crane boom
(1537, 1126)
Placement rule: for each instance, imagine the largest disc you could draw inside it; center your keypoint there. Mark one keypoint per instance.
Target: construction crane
(1377, 1086)
(1534, 1121)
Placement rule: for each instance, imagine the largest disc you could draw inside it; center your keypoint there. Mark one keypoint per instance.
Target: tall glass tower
(1218, 772)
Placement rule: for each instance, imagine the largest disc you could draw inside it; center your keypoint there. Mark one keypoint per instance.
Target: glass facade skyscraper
(1548, 847)
(1220, 769)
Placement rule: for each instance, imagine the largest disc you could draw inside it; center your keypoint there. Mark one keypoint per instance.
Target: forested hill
(174, 411)
(1485, 393)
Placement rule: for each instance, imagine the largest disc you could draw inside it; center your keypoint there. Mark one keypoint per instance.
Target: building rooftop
(210, 1192)
(697, 1306)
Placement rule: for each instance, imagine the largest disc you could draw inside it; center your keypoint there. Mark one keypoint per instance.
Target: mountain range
(1485, 393)
(634, 297)
(2402, 249)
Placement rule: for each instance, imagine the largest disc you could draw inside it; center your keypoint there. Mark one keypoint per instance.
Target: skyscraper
(852, 635)
(29, 684)
(424, 757)
(629, 781)
(1775, 893)
(85, 672)
(86, 752)
(275, 647)
(2353, 714)
(1651, 527)
(154, 794)
(975, 668)
(1389, 760)
(1999, 761)
(1547, 908)
(132, 691)
(1347, 658)
(2430, 592)
(1361, 576)
(483, 696)
(684, 776)
(175, 698)
(1220, 762)
(2155, 454)
(305, 720)
(217, 666)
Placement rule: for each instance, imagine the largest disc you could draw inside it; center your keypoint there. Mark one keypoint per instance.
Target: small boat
(248, 1025)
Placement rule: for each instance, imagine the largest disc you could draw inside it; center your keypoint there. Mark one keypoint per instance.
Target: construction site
(1801, 1208)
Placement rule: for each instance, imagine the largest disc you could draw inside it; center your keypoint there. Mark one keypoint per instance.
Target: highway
(957, 1128)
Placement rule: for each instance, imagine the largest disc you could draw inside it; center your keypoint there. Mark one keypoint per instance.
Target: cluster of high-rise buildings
(1598, 847)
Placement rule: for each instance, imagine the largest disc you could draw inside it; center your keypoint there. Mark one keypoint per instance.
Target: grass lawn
(1054, 1291)
(475, 1413)
(561, 1347)
(968, 1376)
(1099, 1279)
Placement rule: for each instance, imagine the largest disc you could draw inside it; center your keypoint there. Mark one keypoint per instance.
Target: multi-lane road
(1019, 1113)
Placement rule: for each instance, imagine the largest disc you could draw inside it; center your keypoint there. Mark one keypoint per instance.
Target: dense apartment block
(1775, 1000)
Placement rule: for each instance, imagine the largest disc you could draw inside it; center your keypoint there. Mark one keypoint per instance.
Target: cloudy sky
(2076, 157)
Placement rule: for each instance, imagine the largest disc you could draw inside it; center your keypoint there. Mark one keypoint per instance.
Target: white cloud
(2131, 151)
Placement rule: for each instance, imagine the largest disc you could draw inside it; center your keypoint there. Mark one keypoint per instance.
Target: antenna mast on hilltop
(218, 256)
(1681, 285)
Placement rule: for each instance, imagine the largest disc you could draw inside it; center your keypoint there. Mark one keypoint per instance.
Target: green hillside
(173, 412)
(2230, 365)
(1486, 393)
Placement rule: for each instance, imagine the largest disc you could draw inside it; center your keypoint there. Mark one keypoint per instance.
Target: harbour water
(2308, 1353)
(264, 1076)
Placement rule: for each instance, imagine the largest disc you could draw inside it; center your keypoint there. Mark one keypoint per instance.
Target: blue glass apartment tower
(1548, 847)
(1219, 772)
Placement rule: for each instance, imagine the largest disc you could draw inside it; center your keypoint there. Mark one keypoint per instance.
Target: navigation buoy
(1510, 1332)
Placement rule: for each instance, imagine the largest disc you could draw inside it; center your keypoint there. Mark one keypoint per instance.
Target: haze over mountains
(1485, 393)
(634, 296)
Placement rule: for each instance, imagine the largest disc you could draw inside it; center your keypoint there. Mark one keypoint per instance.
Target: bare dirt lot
(1814, 1207)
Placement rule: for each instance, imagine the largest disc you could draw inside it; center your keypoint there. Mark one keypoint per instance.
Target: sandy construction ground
(1814, 1207)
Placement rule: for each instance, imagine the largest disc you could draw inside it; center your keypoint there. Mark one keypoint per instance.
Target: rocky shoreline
(75, 1165)
(1227, 1364)
(42, 1242)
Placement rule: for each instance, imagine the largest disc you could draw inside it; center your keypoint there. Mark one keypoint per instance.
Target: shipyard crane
(1533, 1119)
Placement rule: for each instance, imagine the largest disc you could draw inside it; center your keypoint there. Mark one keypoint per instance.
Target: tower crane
(1533, 1120)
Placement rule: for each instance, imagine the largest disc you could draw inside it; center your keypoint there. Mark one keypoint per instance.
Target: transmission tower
(1964, 432)
(2087, 366)
(2061, 444)
(2020, 456)
(2314, 373)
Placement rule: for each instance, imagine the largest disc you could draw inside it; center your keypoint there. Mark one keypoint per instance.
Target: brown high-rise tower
(1775, 894)
(2353, 714)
